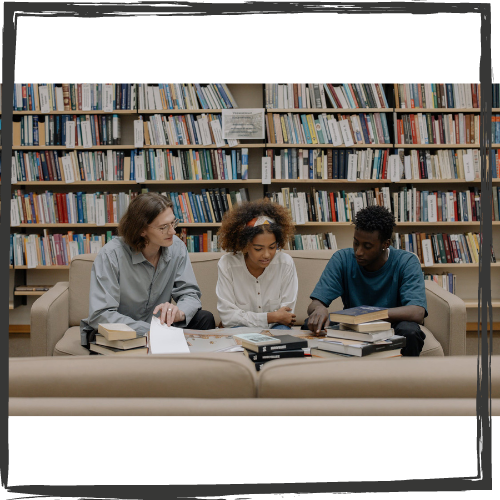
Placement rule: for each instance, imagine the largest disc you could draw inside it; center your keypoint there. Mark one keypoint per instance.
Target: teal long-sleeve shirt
(125, 287)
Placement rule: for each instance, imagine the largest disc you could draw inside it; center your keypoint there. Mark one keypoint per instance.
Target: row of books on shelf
(68, 208)
(192, 164)
(324, 206)
(293, 163)
(432, 128)
(412, 205)
(314, 95)
(67, 130)
(206, 242)
(70, 166)
(320, 241)
(442, 248)
(323, 128)
(184, 130)
(164, 96)
(446, 280)
(53, 249)
(47, 97)
(440, 95)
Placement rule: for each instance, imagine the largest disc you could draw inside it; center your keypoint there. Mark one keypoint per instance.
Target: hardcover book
(360, 314)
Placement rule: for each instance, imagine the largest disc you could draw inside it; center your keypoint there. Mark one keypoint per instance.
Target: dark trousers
(202, 320)
(409, 330)
(414, 337)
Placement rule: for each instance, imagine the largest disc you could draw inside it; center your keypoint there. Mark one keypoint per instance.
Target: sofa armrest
(447, 318)
(49, 319)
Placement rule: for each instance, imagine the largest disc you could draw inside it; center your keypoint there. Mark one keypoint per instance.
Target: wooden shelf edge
(79, 112)
(437, 110)
(329, 110)
(19, 328)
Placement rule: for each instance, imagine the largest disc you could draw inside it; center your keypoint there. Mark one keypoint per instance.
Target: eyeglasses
(166, 227)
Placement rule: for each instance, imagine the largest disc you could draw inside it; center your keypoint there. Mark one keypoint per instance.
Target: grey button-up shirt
(125, 287)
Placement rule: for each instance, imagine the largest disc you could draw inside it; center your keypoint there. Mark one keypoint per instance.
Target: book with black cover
(357, 348)
(136, 351)
(288, 343)
(360, 314)
(293, 353)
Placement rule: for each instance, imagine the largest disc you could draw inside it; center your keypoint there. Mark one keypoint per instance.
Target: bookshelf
(253, 96)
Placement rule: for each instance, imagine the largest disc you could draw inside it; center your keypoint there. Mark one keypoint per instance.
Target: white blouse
(244, 300)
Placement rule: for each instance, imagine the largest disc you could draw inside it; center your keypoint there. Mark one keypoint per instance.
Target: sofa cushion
(70, 344)
(447, 377)
(214, 375)
(431, 346)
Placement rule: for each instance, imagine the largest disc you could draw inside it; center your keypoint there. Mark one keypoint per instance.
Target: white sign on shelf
(43, 92)
(352, 168)
(243, 123)
(394, 168)
(140, 175)
(69, 175)
(266, 170)
(31, 255)
(100, 214)
(468, 167)
(138, 133)
(431, 208)
(427, 251)
(108, 98)
(86, 134)
(70, 134)
(14, 214)
(73, 249)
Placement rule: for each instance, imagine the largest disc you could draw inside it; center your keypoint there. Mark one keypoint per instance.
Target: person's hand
(169, 313)
(285, 317)
(319, 319)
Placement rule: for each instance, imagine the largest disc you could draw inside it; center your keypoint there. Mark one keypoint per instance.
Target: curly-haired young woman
(257, 283)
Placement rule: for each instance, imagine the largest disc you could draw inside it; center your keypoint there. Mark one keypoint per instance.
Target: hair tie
(259, 221)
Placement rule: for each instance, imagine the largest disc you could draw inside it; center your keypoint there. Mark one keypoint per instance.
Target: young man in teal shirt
(374, 273)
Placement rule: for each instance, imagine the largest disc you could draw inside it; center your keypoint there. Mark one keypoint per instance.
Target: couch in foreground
(227, 384)
(56, 315)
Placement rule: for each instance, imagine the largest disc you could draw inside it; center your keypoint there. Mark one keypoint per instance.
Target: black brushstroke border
(483, 479)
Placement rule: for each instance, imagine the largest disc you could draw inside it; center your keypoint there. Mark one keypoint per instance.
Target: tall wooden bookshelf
(250, 96)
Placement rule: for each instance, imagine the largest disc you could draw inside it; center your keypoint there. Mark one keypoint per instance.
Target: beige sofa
(171, 385)
(73, 383)
(56, 315)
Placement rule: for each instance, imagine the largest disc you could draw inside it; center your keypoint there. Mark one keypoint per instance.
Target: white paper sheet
(166, 340)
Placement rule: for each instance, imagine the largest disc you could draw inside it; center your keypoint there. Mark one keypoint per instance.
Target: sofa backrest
(160, 376)
(309, 265)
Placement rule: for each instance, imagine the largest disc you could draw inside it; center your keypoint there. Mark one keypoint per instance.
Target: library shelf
(437, 110)
(436, 146)
(473, 304)
(331, 110)
(162, 146)
(206, 181)
(399, 224)
(453, 265)
(76, 183)
(28, 293)
(319, 146)
(74, 112)
(111, 224)
(178, 111)
(65, 148)
(51, 268)
(377, 181)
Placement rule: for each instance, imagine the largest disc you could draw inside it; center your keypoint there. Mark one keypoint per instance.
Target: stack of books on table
(362, 331)
(118, 339)
(261, 348)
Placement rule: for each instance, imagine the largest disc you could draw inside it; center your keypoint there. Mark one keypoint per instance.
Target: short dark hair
(235, 235)
(143, 210)
(376, 218)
